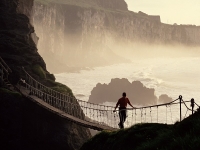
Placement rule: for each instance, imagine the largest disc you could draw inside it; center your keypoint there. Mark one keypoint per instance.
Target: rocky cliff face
(17, 46)
(25, 125)
(76, 36)
(87, 33)
(110, 4)
(136, 92)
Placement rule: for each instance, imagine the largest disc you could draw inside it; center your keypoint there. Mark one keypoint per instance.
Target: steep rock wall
(76, 40)
(24, 124)
(17, 46)
(92, 34)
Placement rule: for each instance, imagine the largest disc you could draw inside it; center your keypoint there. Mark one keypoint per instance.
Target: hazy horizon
(179, 11)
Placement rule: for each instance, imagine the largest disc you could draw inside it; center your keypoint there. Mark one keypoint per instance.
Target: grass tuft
(151, 136)
(37, 69)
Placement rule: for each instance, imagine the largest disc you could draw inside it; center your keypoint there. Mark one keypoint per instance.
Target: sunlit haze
(87, 47)
(170, 11)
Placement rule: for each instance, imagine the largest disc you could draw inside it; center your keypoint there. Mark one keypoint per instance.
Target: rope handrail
(101, 114)
(4, 73)
(164, 104)
(62, 99)
(56, 105)
(186, 105)
(4, 68)
(94, 103)
(91, 124)
(60, 92)
(8, 69)
(196, 104)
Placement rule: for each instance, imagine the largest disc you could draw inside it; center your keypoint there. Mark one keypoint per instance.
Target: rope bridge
(100, 117)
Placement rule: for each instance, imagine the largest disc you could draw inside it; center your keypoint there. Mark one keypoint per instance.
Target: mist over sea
(171, 76)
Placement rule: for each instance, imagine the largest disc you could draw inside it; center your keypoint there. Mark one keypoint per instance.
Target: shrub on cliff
(37, 69)
(182, 135)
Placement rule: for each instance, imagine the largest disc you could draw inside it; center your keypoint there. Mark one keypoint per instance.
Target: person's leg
(123, 114)
(125, 111)
(120, 119)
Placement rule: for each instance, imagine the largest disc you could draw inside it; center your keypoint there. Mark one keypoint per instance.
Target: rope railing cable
(56, 105)
(170, 103)
(61, 93)
(164, 104)
(4, 64)
(196, 104)
(4, 68)
(186, 105)
(88, 125)
(94, 111)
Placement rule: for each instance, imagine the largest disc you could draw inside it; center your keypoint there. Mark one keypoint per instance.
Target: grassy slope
(184, 135)
(51, 83)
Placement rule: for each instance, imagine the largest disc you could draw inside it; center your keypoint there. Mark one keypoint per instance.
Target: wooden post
(2, 75)
(192, 105)
(180, 98)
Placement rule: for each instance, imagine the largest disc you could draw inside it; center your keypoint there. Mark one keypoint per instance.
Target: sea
(171, 76)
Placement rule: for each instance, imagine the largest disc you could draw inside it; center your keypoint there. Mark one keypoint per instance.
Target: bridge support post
(192, 105)
(1, 75)
(180, 98)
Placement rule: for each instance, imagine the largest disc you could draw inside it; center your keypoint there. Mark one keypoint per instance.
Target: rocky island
(136, 92)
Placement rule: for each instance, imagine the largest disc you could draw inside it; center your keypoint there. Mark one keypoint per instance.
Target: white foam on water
(174, 77)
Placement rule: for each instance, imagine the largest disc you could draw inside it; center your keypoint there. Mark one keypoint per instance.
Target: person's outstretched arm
(116, 106)
(131, 104)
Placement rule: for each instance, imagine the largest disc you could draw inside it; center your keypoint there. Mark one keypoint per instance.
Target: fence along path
(4, 72)
(101, 117)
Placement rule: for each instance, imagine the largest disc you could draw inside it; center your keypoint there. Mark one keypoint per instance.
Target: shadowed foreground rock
(27, 126)
(23, 124)
(150, 136)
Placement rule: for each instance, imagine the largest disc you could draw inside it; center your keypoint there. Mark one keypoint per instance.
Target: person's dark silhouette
(122, 103)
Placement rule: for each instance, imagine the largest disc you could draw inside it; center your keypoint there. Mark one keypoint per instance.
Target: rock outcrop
(164, 99)
(136, 92)
(25, 125)
(89, 33)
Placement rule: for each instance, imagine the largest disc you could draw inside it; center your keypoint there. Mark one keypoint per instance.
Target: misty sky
(171, 11)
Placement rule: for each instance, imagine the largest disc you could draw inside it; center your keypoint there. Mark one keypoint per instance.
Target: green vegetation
(5, 93)
(37, 69)
(59, 87)
(183, 135)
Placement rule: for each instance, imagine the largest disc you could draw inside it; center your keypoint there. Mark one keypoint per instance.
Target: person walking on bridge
(122, 103)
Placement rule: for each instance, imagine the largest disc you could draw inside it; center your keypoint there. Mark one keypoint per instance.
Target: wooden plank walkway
(54, 110)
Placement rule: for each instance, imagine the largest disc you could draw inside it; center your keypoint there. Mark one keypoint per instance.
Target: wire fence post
(180, 98)
(192, 105)
(1, 74)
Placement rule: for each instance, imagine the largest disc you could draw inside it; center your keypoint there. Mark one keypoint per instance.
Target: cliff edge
(24, 124)
(90, 33)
